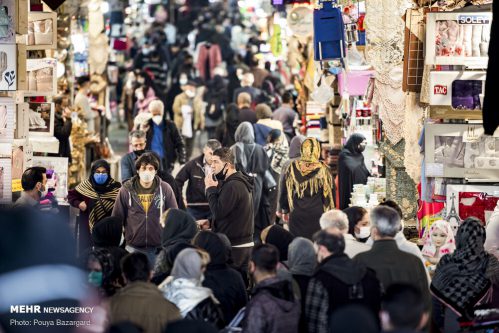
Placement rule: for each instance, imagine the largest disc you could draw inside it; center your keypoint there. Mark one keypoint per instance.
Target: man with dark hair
(140, 302)
(138, 142)
(338, 281)
(403, 309)
(194, 172)
(287, 115)
(231, 205)
(34, 182)
(273, 307)
(390, 263)
(141, 204)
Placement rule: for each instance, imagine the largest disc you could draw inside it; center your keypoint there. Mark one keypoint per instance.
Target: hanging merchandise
(275, 41)
(329, 32)
(491, 101)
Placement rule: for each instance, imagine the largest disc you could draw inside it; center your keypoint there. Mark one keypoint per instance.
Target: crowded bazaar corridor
(254, 166)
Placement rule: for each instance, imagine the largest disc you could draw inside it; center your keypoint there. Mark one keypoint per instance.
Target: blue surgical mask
(95, 279)
(100, 178)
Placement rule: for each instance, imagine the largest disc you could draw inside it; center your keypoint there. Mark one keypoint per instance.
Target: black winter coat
(62, 131)
(193, 172)
(207, 311)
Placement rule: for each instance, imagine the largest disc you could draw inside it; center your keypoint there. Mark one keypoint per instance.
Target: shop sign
(473, 19)
(440, 90)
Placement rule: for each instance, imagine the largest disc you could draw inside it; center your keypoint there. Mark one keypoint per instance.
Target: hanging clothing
(351, 169)
(464, 278)
(308, 190)
(491, 100)
(208, 58)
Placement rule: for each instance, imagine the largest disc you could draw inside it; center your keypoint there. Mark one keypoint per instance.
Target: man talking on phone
(229, 196)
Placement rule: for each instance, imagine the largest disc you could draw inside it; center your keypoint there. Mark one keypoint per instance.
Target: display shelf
(44, 144)
(40, 17)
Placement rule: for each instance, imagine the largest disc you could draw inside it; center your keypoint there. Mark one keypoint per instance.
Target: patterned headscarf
(309, 175)
(462, 279)
(430, 250)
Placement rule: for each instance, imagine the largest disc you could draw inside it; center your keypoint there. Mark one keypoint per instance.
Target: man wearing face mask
(163, 138)
(141, 204)
(34, 182)
(231, 205)
(194, 172)
(351, 168)
(188, 110)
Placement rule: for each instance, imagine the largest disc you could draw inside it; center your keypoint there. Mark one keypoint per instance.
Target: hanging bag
(329, 32)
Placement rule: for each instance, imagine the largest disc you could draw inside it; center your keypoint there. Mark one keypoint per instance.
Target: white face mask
(183, 80)
(365, 232)
(147, 176)
(190, 93)
(43, 192)
(157, 119)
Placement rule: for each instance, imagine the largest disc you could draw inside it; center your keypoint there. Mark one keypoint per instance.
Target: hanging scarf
(462, 278)
(310, 174)
(104, 199)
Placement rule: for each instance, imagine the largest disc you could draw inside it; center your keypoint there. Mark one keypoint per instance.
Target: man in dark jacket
(141, 204)
(338, 281)
(273, 307)
(141, 302)
(194, 172)
(164, 138)
(63, 126)
(391, 264)
(231, 205)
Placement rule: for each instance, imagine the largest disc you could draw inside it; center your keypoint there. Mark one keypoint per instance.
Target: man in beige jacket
(188, 111)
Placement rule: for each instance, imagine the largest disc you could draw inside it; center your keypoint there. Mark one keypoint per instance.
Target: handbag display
(329, 33)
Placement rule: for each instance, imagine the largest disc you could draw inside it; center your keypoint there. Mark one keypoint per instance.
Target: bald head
(243, 100)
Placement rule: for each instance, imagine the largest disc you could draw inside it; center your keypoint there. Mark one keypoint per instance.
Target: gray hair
(137, 134)
(334, 218)
(386, 220)
(213, 144)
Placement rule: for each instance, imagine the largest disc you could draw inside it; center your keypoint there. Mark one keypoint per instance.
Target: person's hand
(209, 182)
(67, 113)
(82, 206)
(203, 224)
(285, 218)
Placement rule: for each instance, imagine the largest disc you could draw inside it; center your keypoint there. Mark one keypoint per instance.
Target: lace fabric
(413, 126)
(385, 52)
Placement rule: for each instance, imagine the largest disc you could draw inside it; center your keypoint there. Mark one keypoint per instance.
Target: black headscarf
(351, 168)
(463, 278)
(213, 244)
(110, 184)
(180, 227)
(280, 238)
(107, 232)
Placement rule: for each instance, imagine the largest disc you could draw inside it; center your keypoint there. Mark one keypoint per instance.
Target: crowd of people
(245, 236)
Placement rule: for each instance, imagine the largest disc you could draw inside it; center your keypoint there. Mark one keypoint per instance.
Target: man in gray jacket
(141, 203)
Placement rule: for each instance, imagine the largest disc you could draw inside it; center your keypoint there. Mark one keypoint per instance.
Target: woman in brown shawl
(307, 191)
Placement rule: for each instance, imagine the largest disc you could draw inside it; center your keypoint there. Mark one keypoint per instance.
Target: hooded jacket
(231, 206)
(351, 169)
(226, 283)
(272, 309)
(337, 282)
(143, 230)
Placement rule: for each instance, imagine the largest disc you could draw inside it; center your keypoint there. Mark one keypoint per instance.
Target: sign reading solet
(473, 19)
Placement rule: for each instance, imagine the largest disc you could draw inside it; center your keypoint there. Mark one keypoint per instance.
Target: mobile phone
(214, 177)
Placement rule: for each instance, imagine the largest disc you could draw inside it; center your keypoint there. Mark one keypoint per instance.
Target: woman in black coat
(351, 168)
(226, 283)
